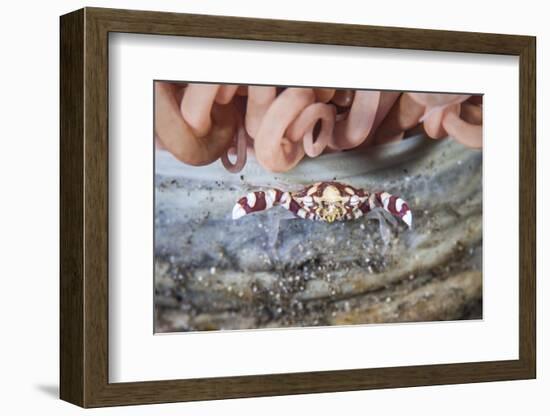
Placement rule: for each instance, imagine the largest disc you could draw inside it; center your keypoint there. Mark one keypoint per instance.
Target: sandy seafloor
(273, 270)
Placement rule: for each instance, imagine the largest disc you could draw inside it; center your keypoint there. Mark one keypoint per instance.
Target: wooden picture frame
(84, 207)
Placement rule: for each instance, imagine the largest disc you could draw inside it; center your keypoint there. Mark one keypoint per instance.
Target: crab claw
(393, 204)
(407, 218)
(257, 201)
(238, 212)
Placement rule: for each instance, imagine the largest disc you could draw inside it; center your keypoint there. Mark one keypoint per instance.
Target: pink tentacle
(433, 122)
(196, 106)
(242, 140)
(225, 93)
(324, 95)
(471, 113)
(303, 126)
(437, 107)
(403, 116)
(180, 139)
(387, 101)
(468, 134)
(274, 151)
(352, 131)
(242, 90)
(259, 101)
(343, 98)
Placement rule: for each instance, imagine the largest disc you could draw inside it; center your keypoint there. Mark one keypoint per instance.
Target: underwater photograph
(292, 207)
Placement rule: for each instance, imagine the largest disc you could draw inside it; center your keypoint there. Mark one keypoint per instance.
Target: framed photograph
(255, 207)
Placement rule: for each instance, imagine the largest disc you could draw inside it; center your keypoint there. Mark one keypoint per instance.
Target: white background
(135, 355)
(29, 225)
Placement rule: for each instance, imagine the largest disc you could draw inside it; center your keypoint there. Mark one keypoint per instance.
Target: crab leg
(290, 204)
(259, 201)
(391, 203)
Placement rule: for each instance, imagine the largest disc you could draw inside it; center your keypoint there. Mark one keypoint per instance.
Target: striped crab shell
(325, 201)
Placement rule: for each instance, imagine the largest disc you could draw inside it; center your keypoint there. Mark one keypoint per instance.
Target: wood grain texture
(84, 207)
(96, 208)
(71, 100)
(527, 208)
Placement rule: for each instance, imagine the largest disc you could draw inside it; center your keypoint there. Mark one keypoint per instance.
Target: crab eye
(354, 200)
(308, 201)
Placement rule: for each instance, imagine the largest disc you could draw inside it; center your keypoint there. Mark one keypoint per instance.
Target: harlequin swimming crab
(324, 201)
